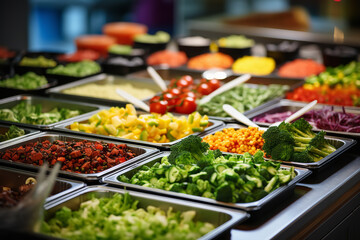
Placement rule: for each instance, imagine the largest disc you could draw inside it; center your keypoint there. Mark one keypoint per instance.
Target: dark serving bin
(288, 105)
(101, 79)
(141, 152)
(38, 70)
(47, 105)
(14, 178)
(66, 128)
(223, 219)
(251, 206)
(341, 145)
(8, 92)
(28, 132)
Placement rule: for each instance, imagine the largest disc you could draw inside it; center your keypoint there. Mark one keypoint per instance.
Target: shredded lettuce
(119, 217)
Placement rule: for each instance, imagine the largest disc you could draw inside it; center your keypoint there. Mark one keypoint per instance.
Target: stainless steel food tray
(47, 105)
(65, 128)
(341, 145)
(102, 79)
(288, 105)
(252, 206)
(28, 132)
(224, 219)
(141, 151)
(14, 178)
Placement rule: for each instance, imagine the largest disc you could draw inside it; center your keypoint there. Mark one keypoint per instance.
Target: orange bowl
(124, 32)
(99, 43)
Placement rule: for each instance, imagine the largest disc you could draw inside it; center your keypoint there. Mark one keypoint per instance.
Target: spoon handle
(225, 87)
(301, 111)
(133, 100)
(156, 77)
(238, 115)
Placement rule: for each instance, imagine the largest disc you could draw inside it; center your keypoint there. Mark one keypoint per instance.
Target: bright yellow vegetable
(125, 123)
(254, 65)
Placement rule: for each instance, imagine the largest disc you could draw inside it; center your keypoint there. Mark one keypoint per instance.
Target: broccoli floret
(192, 144)
(258, 156)
(176, 187)
(193, 189)
(282, 151)
(185, 158)
(303, 127)
(321, 143)
(224, 193)
(302, 157)
(208, 195)
(276, 135)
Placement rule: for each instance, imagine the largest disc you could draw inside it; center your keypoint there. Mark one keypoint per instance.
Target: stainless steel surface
(288, 105)
(101, 79)
(14, 178)
(28, 132)
(313, 197)
(141, 152)
(341, 145)
(252, 206)
(65, 128)
(222, 218)
(47, 105)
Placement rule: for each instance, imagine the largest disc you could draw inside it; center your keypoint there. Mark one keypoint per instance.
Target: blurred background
(48, 25)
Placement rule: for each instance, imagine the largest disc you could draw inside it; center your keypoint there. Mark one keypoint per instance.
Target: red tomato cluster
(181, 95)
(80, 55)
(327, 95)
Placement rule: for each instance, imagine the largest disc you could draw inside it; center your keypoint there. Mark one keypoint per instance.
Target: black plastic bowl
(339, 55)
(192, 49)
(283, 52)
(150, 47)
(235, 53)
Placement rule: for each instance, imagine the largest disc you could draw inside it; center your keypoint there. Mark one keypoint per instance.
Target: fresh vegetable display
(343, 96)
(210, 60)
(243, 98)
(325, 119)
(254, 65)
(166, 57)
(75, 156)
(158, 37)
(119, 217)
(39, 61)
(192, 168)
(13, 132)
(300, 68)
(24, 112)
(236, 41)
(27, 81)
(10, 197)
(344, 75)
(236, 141)
(156, 128)
(296, 142)
(6, 54)
(79, 55)
(181, 95)
(78, 69)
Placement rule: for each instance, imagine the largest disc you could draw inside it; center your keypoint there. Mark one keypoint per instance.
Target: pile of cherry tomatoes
(181, 95)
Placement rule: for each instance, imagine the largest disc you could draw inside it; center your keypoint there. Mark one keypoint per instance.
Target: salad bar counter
(170, 160)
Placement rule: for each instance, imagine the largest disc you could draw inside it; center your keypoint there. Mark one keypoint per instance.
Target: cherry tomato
(188, 78)
(188, 94)
(155, 99)
(203, 80)
(167, 96)
(182, 83)
(204, 89)
(175, 92)
(172, 83)
(214, 84)
(186, 105)
(159, 107)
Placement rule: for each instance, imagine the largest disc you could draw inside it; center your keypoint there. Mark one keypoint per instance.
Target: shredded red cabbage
(325, 119)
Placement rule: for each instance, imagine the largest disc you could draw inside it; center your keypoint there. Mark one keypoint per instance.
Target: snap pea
(243, 98)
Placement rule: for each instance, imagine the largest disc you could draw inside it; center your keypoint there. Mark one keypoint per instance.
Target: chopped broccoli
(123, 178)
(192, 144)
(201, 175)
(282, 151)
(193, 189)
(258, 156)
(224, 193)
